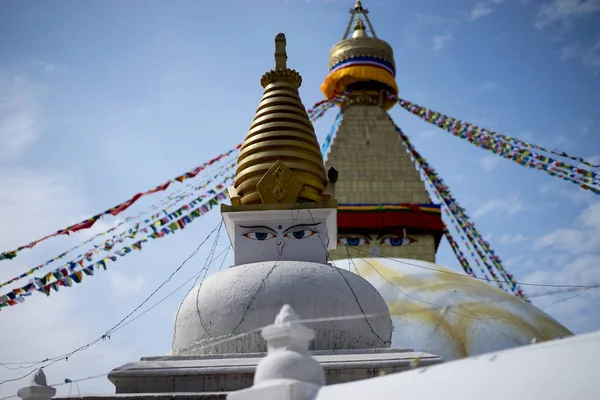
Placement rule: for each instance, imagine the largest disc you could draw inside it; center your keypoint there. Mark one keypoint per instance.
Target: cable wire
(592, 286)
(106, 335)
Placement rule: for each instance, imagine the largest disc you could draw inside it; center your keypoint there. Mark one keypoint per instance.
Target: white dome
(480, 317)
(248, 297)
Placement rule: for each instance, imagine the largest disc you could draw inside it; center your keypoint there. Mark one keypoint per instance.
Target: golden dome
(280, 160)
(360, 58)
(361, 45)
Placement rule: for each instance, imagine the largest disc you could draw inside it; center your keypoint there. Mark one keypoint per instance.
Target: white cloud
(527, 136)
(428, 134)
(585, 127)
(547, 187)
(490, 161)
(520, 261)
(577, 196)
(565, 12)
(35, 203)
(58, 330)
(412, 40)
(124, 285)
(591, 57)
(489, 86)
(421, 25)
(459, 178)
(518, 238)
(570, 51)
(572, 257)
(509, 205)
(440, 41)
(579, 239)
(483, 9)
(18, 113)
(46, 67)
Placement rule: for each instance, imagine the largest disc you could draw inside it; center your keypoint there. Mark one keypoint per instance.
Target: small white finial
(38, 388)
(286, 333)
(39, 378)
(287, 314)
(287, 372)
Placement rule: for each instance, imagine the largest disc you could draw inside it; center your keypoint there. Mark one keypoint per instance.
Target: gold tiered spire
(361, 65)
(280, 161)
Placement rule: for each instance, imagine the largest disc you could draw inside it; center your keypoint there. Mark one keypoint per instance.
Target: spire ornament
(361, 62)
(281, 72)
(280, 161)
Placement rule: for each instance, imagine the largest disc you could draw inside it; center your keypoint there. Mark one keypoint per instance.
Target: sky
(102, 99)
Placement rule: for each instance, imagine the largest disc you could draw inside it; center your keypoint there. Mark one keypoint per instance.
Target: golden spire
(359, 29)
(280, 161)
(361, 61)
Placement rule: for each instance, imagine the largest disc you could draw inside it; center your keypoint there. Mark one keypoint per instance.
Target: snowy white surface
(559, 369)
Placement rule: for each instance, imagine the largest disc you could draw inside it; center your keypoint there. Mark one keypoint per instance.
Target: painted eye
(301, 234)
(353, 241)
(259, 235)
(396, 241)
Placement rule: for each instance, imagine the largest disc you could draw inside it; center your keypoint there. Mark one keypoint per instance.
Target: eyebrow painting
(259, 227)
(291, 228)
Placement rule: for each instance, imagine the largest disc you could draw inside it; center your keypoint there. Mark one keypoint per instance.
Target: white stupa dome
(247, 297)
(440, 311)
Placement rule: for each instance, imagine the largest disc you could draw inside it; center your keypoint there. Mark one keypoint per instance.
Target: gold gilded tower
(375, 171)
(280, 161)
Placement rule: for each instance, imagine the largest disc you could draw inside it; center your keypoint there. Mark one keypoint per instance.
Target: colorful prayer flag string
(481, 246)
(455, 213)
(457, 227)
(334, 128)
(435, 183)
(511, 148)
(458, 253)
(169, 202)
(68, 275)
(88, 223)
(317, 112)
(414, 109)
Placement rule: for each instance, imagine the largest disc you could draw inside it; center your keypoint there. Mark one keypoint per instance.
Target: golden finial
(280, 54)
(280, 161)
(281, 71)
(359, 25)
(359, 29)
(347, 65)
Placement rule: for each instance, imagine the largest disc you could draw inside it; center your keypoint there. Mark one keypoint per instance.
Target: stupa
(282, 224)
(388, 227)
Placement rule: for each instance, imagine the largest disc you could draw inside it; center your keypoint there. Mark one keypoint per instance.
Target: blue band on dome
(370, 61)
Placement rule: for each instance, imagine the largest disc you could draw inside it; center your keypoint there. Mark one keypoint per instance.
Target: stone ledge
(230, 372)
(151, 396)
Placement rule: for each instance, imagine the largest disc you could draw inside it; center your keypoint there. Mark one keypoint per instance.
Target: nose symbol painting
(263, 233)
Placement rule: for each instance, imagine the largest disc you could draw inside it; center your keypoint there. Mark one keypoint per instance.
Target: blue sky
(102, 99)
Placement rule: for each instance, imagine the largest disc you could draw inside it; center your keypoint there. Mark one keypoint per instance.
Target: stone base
(231, 372)
(151, 396)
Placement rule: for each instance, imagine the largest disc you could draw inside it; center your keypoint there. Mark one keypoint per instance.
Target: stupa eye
(259, 235)
(353, 241)
(396, 241)
(301, 234)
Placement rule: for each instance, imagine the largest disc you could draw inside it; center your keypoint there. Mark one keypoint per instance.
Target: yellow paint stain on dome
(436, 278)
(420, 294)
(538, 325)
(434, 317)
